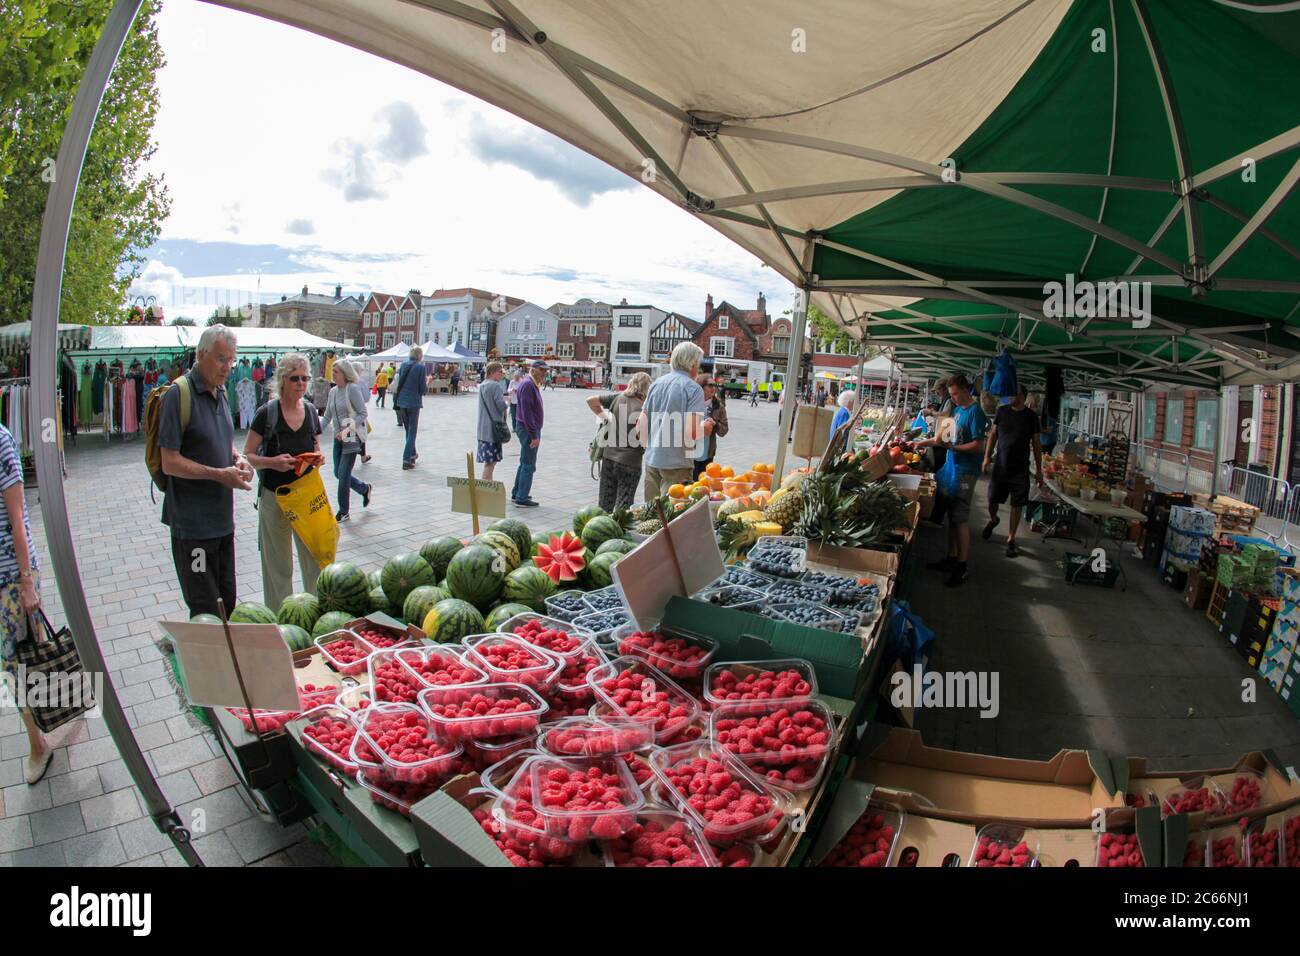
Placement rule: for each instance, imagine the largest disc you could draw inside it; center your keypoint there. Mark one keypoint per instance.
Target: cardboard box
(1062, 792)
(812, 430)
(878, 466)
(262, 761)
(1196, 594)
(936, 842)
(1278, 791)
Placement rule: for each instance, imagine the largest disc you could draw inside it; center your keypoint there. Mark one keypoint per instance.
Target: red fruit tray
(573, 679)
(787, 743)
(1264, 845)
(1240, 792)
(487, 751)
(509, 659)
(681, 658)
(442, 666)
(490, 710)
(328, 734)
(345, 651)
(872, 841)
(516, 816)
(1004, 845)
(762, 681)
(1118, 851)
(558, 638)
(718, 792)
(1291, 839)
(399, 797)
(592, 736)
(402, 737)
(579, 799)
(660, 838)
(390, 682)
(380, 637)
(635, 688)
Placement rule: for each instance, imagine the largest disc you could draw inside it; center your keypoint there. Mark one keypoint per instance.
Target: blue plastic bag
(910, 640)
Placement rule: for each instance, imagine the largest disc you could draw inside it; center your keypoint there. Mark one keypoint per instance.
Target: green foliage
(827, 330)
(44, 48)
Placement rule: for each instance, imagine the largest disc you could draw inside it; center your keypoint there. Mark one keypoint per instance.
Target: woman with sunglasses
(286, 426)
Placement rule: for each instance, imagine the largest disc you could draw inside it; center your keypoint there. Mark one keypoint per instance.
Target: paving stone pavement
(1073, 661)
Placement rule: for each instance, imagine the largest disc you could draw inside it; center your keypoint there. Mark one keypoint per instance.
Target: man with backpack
(189, 447)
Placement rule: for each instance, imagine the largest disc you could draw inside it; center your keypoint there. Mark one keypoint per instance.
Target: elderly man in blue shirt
(672, 420)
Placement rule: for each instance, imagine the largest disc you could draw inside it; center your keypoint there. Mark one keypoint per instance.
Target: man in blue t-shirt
(956, 480)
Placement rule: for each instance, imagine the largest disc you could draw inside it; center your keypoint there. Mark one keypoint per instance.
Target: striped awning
(18, 335)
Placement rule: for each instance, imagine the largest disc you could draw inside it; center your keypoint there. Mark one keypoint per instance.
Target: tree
(222, 315)
(44, 48)
(827, 330)
(181, 321)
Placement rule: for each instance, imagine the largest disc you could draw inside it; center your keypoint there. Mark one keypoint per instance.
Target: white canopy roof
(143, 338)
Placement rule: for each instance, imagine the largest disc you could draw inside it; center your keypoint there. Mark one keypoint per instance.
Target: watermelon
(419, 601)
(375, 578)
(586, 514)
(379, 602)
(403, 574)
(539, 540)
(450, 620)
(584, 576)
(205, 619)
(504, 612)
(599, 570)
(504, 545)
(600, 529)
(252, 612)
(295, 637)
(300, 609)
(342, 586)
(476, 574)
(528, 585)
(616, 545)
(438, 552)
(331, 621)
(561, 558)
(519, 532)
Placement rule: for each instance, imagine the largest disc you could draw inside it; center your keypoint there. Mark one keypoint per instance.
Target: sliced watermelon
(561, 558)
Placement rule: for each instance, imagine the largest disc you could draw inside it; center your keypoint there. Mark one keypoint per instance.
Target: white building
(629, 346)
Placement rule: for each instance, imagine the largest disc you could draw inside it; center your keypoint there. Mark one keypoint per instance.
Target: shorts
(1006, 484)
(489, 452)
(958, 501)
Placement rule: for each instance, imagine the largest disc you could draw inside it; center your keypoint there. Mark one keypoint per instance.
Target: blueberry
(730, 596)
(602, 622)
(605, 599)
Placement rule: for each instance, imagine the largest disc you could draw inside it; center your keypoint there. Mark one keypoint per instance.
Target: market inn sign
(1098, 300)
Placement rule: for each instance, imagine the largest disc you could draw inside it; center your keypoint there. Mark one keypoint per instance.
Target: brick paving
(1079, 667)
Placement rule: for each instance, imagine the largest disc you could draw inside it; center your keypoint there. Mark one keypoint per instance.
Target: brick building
(729, 332)
(387, 319)
(336, 317)
(583, 333)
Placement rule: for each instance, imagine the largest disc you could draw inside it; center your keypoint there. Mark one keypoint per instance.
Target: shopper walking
(753, 394)
(715, 410)
(345, 409)
(512, 396)
(1012, 439)
(844, 412)
(956, 482)
(455, 380)
(672, 420)
(20, 596)
(286, 426)
(529, 431)
(493, 432)
(621, 454)
(381, 385)
(408, 399)
(203, 469)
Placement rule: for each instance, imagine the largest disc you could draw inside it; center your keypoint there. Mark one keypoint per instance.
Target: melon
(375, 578)
(504, 545)
(205, 619)
(586, 514)
(438, 552)
(331, 621)
(295, 637)
(379, 602)
(342, 586)
(539, 540)
(476, 574)
(518, 532)
(599, 571)
(450, 620)
(300, 609)
(252, 612)
(528, 585)
(420, 600)
(504, 612)
(617, 546)
(599, 529)
(403, 574)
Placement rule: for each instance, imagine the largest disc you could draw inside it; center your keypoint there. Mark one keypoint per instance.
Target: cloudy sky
(296, 160)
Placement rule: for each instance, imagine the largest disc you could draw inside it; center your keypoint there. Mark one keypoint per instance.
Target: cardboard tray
(1279, 791)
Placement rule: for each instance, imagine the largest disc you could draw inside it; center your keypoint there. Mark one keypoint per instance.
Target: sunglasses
(299, 378)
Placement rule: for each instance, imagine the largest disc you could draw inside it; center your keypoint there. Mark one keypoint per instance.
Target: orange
(713, 469)
(677, 491)
(726, 472)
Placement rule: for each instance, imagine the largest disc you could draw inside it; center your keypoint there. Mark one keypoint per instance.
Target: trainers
(341, 517)
(527, 503)
(408, 465)
(956, 577)
(365, 499)
(1012, 550)
(988, 528)
(943, 564)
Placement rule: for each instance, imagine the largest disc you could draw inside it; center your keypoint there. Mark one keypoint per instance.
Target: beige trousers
(659, 480)
(274, 534)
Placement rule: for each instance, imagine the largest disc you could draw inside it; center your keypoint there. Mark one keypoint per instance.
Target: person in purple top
(528, 426)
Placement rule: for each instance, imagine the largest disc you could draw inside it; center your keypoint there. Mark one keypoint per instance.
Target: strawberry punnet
(636, 689)
(1245, 794)
(866, 844)
(390, 682)
(578, 665)
(562, 557)
(1263, 848)
(1188, 800)
(507, 658)
(1119, 850)
(594, 736)
(539, 851)
(1224, 852)
(346, 654)
(674, 656)
(440, 668)
(991, 851)
(380, 639)
(397, 795)
(330, 735)
(578, 801)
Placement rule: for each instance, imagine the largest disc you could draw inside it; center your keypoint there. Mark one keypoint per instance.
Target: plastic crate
(1078, 568)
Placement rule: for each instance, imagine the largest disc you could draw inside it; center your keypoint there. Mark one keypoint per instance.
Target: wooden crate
(1218, 603)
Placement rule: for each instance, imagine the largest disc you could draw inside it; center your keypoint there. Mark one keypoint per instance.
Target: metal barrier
(1276, 499)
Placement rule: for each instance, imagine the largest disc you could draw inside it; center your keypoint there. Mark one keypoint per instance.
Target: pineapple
(749, 517)
(729, 508)
(766, 528)
(649, 526)
(786, 509)
(736, 538)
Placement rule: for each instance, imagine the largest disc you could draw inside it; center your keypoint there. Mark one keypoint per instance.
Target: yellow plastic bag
(308, 510)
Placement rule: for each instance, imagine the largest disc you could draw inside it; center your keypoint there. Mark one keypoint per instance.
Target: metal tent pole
(860, 390)
(45, 322)
(790, 391)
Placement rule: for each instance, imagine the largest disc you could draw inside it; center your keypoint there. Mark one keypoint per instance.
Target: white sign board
(264, 661)
(678, 560)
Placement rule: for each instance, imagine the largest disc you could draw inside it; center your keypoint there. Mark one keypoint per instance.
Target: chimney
(624, 302)
(338, 291)
(708, 307)
(762, 304)
(304, 290)
(284, 298)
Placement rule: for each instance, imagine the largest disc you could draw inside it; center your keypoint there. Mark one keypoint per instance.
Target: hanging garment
(101, 377)
(1004, 381)
(85, 395)
(244, 391)
(130, 417)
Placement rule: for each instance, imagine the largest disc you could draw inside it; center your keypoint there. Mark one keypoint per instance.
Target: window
(1207, 419)
(390, 318)
(598, 352)
(564, 350)
(389, 338)
(1149, 417)
(537, 348)
(1174, 418)
(781, 344)
(437, 338)
(408, 338)
(541, 325)
(408, 317)
(528, 325)
(629, 321)
(724, 322)
(575, 329)
(628, 348)
(514, 325)
(370, 340)
(722, 346)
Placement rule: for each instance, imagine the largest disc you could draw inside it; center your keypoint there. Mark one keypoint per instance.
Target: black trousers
(618, 484)
(205, 568)
(698, 466)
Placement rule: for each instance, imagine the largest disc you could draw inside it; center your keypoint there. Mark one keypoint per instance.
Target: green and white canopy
(951, 157)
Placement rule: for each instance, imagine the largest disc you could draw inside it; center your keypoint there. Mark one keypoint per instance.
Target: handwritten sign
(490, 495)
